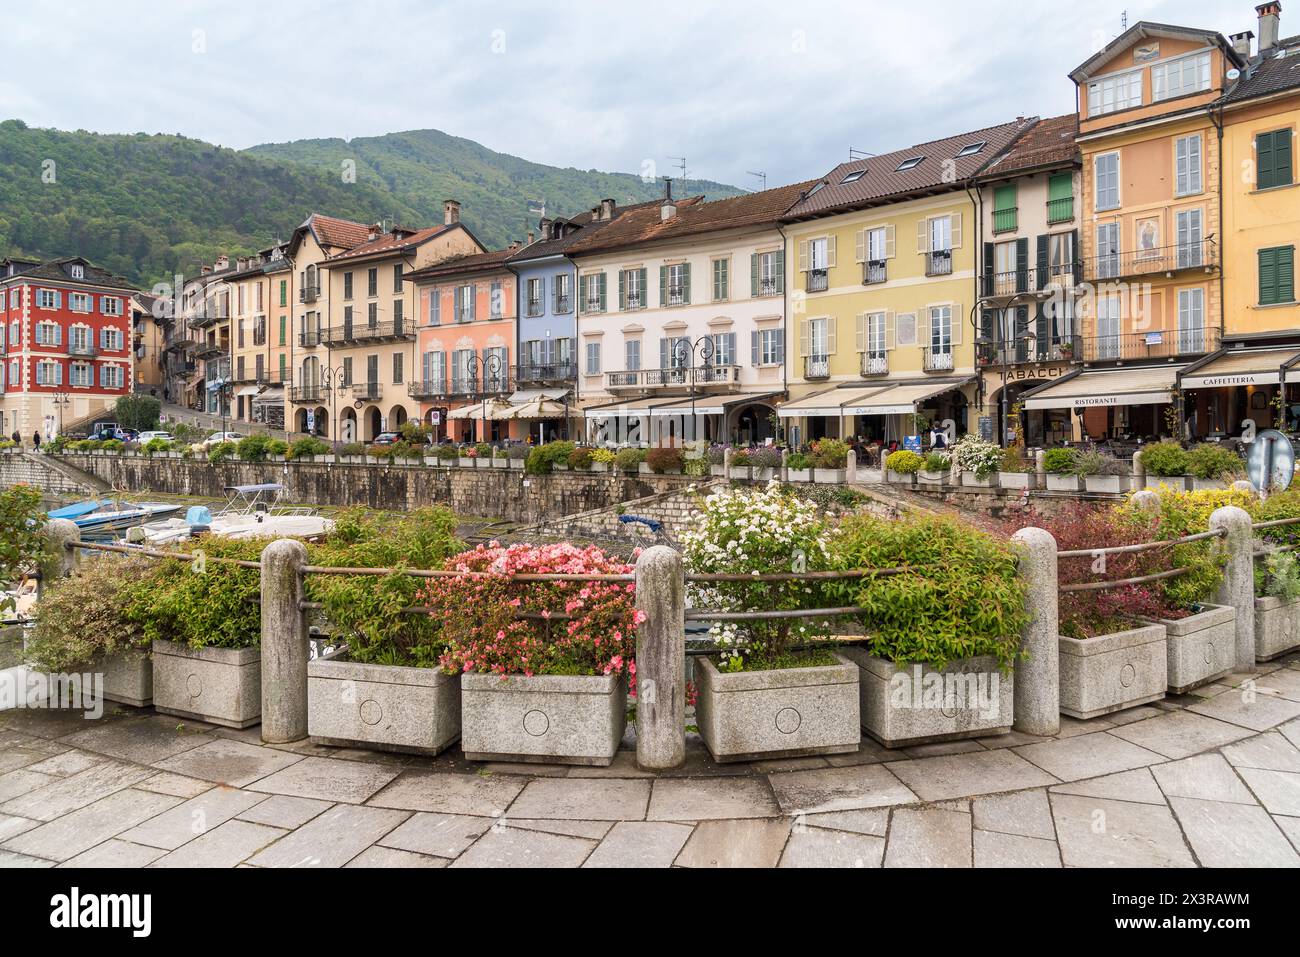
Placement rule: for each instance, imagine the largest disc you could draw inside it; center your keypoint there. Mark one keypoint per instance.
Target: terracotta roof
(587, 224)
(1269, 73)
(479, 262)
(388, 242)
(1048, 143)
(57, 269)
(331, 231)
(880, 178)
(1145, 29)
(694, 216)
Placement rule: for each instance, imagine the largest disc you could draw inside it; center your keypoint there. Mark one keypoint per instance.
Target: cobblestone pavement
(1207, 779)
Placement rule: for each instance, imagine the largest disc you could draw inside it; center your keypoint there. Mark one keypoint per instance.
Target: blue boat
(104, 518)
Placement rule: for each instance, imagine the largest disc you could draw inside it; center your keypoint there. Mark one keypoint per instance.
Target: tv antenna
(681, 165)
(855, 155)
(762, 176)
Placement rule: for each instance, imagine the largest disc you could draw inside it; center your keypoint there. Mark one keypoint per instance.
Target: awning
(536, 409)
(712, 404)
(247, 390)
(531, 395)
(1149, 386)
(1235, 367)
(487, 409)
(632, 408)
(899, 399)
(826, 402)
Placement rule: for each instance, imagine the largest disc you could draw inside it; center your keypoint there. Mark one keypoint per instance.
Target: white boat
(252, 511)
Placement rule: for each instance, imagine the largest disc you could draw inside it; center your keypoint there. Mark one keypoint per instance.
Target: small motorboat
(105, 518)
(252, 511)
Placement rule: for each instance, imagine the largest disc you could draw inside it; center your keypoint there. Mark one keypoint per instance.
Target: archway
(300, 420)
(396, 417)
(348, 431)
(752, 424)
(374, 420)
(322, 422)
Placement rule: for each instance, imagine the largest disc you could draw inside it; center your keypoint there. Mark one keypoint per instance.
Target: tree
(22, 534)
(139, 412)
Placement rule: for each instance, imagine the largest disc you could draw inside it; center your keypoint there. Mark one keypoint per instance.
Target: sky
(773, 86)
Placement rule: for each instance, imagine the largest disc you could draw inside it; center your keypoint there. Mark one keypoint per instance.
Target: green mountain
(148, 206)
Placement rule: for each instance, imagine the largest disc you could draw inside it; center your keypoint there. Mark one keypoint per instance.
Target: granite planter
(777, 714)
(1277, 627)
(517, 464)
(1176, 482)
(799, 475)
(499, 463)
(218, 685)
(1201, 647)
(465, 463)
(1105, 484)
(1112, 672)
(554, 719)
(738, 474)
(1062, 483)
(971, 480)
(930, 478)
(600, 466)
(1015, 479)
(1207, 485)
(901, 478)
(127, 677)
(718, 470)
(829, 476)
(643, 469)
(389, 708)
(920, 704)
(763, 475)
(11, 646)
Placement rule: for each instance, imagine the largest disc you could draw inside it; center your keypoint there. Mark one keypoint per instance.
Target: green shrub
(447, 453)
(972, 454)
(112, 445)
(352, 448)
(1278, 576)
(799, 462)
(22, 536)
(1164, 459)
(155, 445)
(483, 450)
(663, 460)
(222, 451)
(1093, 462)
(277, 447)
(543, 458)
(1210, 460)
(904, 462)
(580, 459)
(1059, 461)
(81, 618)
(603, 456)
(937, 462)
(830, 454)
(962, 599)
(139, 412)
(1014, 460)
(409, 451)
(307, 447)
(10, 443)
(417, 433)
(629, 459)
(253, 448)
(385, 452)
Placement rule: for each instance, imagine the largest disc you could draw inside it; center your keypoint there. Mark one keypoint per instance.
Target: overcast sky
(771, 85)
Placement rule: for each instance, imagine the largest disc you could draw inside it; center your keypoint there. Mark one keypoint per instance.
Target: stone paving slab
(583, 799)
(195, 817)
(1088, 756)
(1205, 777)
(325, 779)
(1095, 832)
(839, 789)
(873, 822)
(116, 853)
(65, 795)
(1271, 752)
(390, 857)
(21, 782)
(700, 799)
(484, 795)
(12, 826)
(640, 844)
(438, 835)
(1137, 785)
(1178, 734)
(68, 835)
(512, 847)
(66, 764)
(9, 859)
(964, 775)
(1278, 791)
(224, 761)
(145, 738)
(736, 843)
(281, 810)
(228, 845)
(1258, 712)
(592, 830)
(1022, 813)
(815, 847)
(998, 849)
(177, 785)
(929, 837)
(331, 839)
(1233, 835)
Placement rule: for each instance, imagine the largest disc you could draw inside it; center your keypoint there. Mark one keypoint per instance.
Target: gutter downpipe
(1217, 120)
(785, 311)
(977, 200)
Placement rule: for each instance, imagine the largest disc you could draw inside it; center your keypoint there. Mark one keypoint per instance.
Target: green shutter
(1273, 163)
(1004, 197)
(1263, 161)
(1268, 284)
(663, 286)
(753, 274)
(779, 267)
(1282, 166)
(1284, 286)
(602, 281)
(645, 290)
(1060, 186)
(622, 290)
(686, 283)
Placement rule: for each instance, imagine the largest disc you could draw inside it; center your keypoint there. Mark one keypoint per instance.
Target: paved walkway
(1209, 779)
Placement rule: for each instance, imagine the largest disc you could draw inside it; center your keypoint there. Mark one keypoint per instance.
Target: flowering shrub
(799, 462)
(543, 458)
(830, 453)
(81, 617)
(1164, 459)
(603, 456)
(478, 613)
(973, 454)
(663, 460)
(904, 462)
(744, 531)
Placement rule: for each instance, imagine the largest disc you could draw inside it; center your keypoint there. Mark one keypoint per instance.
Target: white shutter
(956, 230)
(861, 337)
(803, 255)
(923, 236)
(889, 329)
(830, 335)
(830, 251)
(889, 241)
(860, 245)
(805, 337)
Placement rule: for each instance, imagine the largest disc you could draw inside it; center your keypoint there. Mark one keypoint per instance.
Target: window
(1004, 208)
(397, 368)
(49, 373)
(347, 285)
(465, 303)
(769, 347)
(818, 253)
(853, 177)
(1187, 165)
(372, 282)
(284, 329)
(535, 297)
(15, 373)
(110, 306)
(875, 333)
(1273, 165)
(1061, 254)
(1060, 198)
(940, 234)
(1190, 244)
(721, 280)
(78, 272)
(675, 288)
(1191, 320)
(941, 330)
(819, 339)
(15, 337)
(563, 282)
(1108, 250)
(284, 292)
(399, 306)
(79, 339)
(15, 298)
(47, 299)
(1106, 188)
(496, 300)
(818, 262)
(593, 358)
(397, 278)
(47, 334)
(724, 349)
(1189, 74)
(632, 355)
(591, 290)
(81, 374)
(631, 284)
(1108, 325)
(1113, 93)
(1004, 256)
(79, 302)
(1276, 275)
(970, 149)
(112, 377)
(767, 273)
(435, 371)
(910, 163)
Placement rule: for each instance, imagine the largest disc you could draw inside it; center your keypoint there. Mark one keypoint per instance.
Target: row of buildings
(1120, 272)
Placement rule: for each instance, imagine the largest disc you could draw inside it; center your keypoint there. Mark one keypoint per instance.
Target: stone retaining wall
(17, 468)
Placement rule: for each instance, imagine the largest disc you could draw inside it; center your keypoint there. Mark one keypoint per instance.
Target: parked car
(216, 438)
(113, 432)
(148, 436)
(387, 438)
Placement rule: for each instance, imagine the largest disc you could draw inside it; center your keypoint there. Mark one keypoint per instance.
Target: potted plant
(1015, 471)
(798, 467)
(739, 468)
(977, 460)
(934, 469)
(1277, 606)
(766, 693)
(901, 466)
(940, 641)
(518, 456)
(665, 461)
(830, 459)
(277, 449)
(501, 459)
(1099, 472)
(717, 460)
(1059, 464)
(383, 687)
(602, 460)
(1166, 465)
(482, 455)
(352, 453)
(535, 687)
(468, 454)
(1211, 466)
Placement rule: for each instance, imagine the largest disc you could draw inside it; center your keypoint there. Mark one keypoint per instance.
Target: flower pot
(127, 677)
(1207, 485)
(465, 463)
(500, 463)
(763, 475)
(919, 704)
(971, 480)
(1112, 672)
(322, 459)
(1201, 647)
(1176, 482)
(738, 474)
(600, 466)
(719, 470)
(556, 719)
(486, 463)
(517, 464)
(770, 714)
(1105, 484)
(1015, 479)
(386, 707)
(829, 476)
(217, 685)
(1062, 483)
(644, 469)
(901, 478)
(1277, 627)
(799, 475)
(925, 477)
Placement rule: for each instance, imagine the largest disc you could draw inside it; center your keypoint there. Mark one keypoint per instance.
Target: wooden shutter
(956, 230)
(803, 255)
(663, 286)
(923, 236)
(860, 246)
(622, 289)
(805, 338)
(1041, 330)
(602, 279)
(889, 329)
(890, 244)
(830, 251)
(1043, 266)
(779, 358)
(1022, 264)
(958, 319)
(582, 293)
(860, 335)
(778, 269)
(990, 264)
(1286, 274)
(753, 274)
(686, 283)
(753, 348)
(1282, 165)
(1264, 161)
(830, 335)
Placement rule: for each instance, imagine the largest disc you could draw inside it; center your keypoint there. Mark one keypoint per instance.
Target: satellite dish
(1233, 74)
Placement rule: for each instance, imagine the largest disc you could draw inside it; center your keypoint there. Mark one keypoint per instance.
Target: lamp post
(61, 399)
(335, 382)
(684, 352)
(1003, 343)
(490, 368)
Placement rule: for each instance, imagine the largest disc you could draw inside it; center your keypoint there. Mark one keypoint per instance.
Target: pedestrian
(18, 438)
(36, 439)
(938, 438)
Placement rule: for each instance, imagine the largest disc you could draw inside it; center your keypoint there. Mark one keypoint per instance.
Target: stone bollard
(1040, 469)
(726, 463)
(1148, 499)
(660, 660)
(1139, 471)
(785, 465)
(1238, 587)
(1241, 485)
(284, 643)
(851, 468)
(61, 561)
(1038, 675)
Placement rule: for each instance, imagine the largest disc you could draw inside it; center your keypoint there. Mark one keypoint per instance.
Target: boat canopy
(254, 489)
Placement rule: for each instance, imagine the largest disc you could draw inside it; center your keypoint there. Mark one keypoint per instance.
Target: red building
(65, 349)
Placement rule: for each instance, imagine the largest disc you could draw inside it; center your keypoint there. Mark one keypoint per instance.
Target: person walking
(36, 439)
(18, 438)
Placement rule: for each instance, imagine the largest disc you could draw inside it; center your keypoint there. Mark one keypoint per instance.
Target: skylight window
(853, 177)
(817, 187)
(970, 149)
(911, 163)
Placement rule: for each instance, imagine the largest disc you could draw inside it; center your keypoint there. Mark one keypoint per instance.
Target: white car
(146, 436)
(216, 438)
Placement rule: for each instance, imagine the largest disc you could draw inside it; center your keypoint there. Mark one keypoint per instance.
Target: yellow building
(881, 285)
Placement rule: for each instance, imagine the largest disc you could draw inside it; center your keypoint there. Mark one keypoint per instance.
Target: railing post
(284, 643)
(661, 660)
(726, 463)
(1238, 587)
(851, 468)
(61, 559)
(1038, 674)
(1139, 471)
(1040, 469)
(785, 465)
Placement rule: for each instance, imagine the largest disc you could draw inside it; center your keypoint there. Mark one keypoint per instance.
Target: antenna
(681, 165)
(762, 177)
(855, 155)
(1123, 20)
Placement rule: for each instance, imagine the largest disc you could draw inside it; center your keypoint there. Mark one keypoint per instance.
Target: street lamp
(684, 352)
(61, 399)
(491, 367)
(335, 382)
(1003, 343)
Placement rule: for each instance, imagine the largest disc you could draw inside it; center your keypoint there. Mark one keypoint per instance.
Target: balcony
(1027, 351)
(534, 373)
(674, 377)
(592, 305)
(1060, 211)
(937, 359)
(818, 280)
(1146, 262)
(938, 263)
(273, 377)
(390, 330)
(87, 349)
(472, 385)
(367, 391)
(1156, 344)
(875, 362)
(427, 389)
(1005, 220)
(676, 295)
(769, 287)
(563, 305)
(534, 308)
(209, 350)
(875, 271)
(310, 338)
(634, 300)
(309, 393)
(1029, 280)
(816, 367)
(309, 293)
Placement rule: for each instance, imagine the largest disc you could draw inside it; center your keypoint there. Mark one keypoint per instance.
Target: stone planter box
(374, 460)
(719, 470)
(1015, 479)
(11, 646)
(322, 459)
(517, 464)
(554, 719)
(763, 475)
(1112, 484)
(775, 714)
(128, 678)
(1176, 482)
(799, 475)
(1201, 647)
(1277, 627)
(1062, 483)
(737, 473)
(410, 710)
(644, 469)
(600, 466)
(975, 700)
(465, 463)
(902, 478)
(830, 476)
(500, 463)
(971, 480)
(482, 462)
(930, 478)
(277, 458)
(352, 459)
(1112, 672)
(218, 685)
(1206, 485)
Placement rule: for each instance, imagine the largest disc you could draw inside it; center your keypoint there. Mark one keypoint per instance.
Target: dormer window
(970, 149)
(1119, 92)
(78, 271)
(817, 187)
(910, 163)
(853, 177)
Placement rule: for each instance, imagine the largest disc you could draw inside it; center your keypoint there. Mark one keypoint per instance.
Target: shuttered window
(1187, 164)
(1273, 166)
(1276, 275)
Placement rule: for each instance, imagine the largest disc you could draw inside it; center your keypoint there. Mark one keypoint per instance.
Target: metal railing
(1144, 262)
(1029, 279)
(817, 280)
(370, 332)
(1052, 349)
(1060, 210)
(875, 271)
(875, 362)
(310, 338)
(367, 390)
(1156, 344)
(937, 359)
(938, 262)
(1005, 220)
(816, 367)
(546, 372)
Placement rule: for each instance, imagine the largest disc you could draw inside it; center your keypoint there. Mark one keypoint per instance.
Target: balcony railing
(938, 263)
(875, 271)
(372, 391)
(546, 372)
(634, 300)
(309, 293)
(937, 359)
(209, 350)
(1155, 344)
(563, 305)
(309, 338)
(816, 367)
(309, 393)
(593, 305)
(368, 332)
(818, 280)
(535, 308)
(1029, 280)
(427, 389)
(1005, 220)
(676, 295)
(1027, 351)
(676, 376)
(875, 362)
(1060, 210)
(82, 349)
(274, 377)
(769, 287)
(1144, 262)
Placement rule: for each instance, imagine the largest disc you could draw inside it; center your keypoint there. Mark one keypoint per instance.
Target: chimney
(223, 262)
(376, 229)
(547, 230)
(606, 210)
(530, 237)
(1241, 43)
(514, 244)
(1269, 15)
(205, 270)
(450, 212)
(669, 209)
